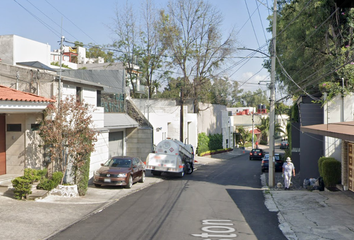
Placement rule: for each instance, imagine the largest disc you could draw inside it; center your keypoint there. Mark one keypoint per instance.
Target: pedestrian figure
(288, 171)
(256, 144)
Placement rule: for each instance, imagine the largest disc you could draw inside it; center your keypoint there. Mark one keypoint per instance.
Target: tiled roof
(10, 94)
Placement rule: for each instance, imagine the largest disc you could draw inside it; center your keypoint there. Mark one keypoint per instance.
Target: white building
(14, 49)
(164, 116)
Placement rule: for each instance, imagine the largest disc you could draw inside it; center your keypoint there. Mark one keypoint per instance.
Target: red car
(120, 171)
(256, 154)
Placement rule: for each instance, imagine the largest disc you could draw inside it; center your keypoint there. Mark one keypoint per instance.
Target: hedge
(331, 171)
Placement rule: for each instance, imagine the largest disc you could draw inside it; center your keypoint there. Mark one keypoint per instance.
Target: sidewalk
(307, 215)
(310, 215)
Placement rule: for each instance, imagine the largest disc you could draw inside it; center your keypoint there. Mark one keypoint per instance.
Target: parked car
(256, 154)
(284, 144)
(278, 163)
(120, 171)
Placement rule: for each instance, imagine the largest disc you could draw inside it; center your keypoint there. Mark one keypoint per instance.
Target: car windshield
(118, 162)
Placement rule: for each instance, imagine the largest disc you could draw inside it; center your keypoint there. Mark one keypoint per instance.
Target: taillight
(260, 154)
(250, 153)
(180, 166)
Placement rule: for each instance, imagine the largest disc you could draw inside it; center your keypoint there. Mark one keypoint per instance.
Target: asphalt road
(218, 201)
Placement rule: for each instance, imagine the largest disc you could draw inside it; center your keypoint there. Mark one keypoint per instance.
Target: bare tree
(191, 31)
(152, 50)
(125, 41)
(137, 43)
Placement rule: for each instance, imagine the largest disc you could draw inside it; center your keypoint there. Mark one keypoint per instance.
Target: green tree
(264, 128)
(236, 94)
(246, 136)
(255, 98)
(221, 91)
(96, 51)
(281, 108)
(314, 45)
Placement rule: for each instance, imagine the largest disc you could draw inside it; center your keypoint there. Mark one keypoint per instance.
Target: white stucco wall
(101, 153)
(333, 111)
(26, 50)
(227, 130)
(209, 118)
(164, 116)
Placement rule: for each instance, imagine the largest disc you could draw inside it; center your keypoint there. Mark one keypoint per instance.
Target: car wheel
(97, 185)
(142, 177)
(190, 168)
(130, 182)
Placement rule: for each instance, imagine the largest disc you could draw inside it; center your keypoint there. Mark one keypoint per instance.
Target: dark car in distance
(256, 154)
(277, 166)
(284, 144)
(120, 171)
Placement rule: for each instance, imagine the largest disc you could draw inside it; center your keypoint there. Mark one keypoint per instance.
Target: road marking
(218, 229)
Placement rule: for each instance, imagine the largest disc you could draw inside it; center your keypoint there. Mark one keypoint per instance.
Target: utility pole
(252, 129)
(181, 127)
(272, 100)
(60, 63)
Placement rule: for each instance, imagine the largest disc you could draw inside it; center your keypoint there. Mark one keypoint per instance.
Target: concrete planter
(65, 191)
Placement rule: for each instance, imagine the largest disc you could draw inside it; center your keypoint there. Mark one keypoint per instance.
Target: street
(218, 201)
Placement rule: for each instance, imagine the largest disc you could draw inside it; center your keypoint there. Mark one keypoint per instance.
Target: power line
(49, 18)
(71, 22)
(39, 20)
(252, 22)
(260, 19)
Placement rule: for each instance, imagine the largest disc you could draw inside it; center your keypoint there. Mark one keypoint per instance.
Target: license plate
(107, 180)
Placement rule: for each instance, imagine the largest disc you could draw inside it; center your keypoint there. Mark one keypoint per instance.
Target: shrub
(215, 141)
(22, 187)
(49, 184)
(82, 176)
(23, 184)
(320, 161)
(331, 170)
(203, 143)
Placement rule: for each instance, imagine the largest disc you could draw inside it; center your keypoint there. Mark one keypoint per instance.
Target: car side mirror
(134, 166)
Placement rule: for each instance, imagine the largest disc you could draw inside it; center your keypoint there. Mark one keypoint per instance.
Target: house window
(35, 126)
(98, 98)
(78, 94)
(14, 127)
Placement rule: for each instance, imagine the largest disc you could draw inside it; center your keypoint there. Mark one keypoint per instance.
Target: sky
(87, 21)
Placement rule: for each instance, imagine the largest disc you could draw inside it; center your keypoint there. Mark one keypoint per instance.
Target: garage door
(116, 144)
